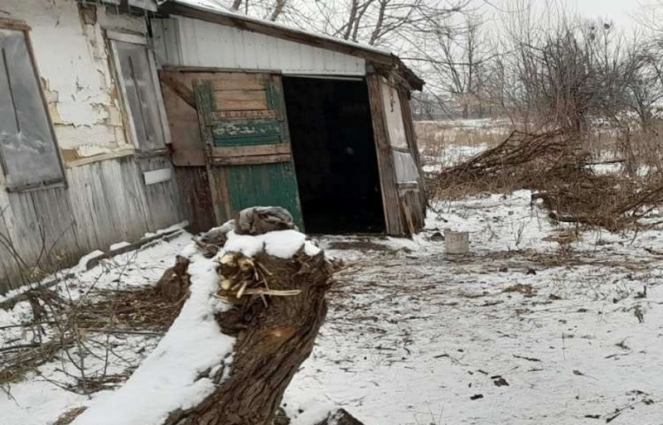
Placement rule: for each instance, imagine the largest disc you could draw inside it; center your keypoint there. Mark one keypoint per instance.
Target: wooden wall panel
(196, 199)
(389, 187)
(105, 202)
(163, 204)
(414, 150)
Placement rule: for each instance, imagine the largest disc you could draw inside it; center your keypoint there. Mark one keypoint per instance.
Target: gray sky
(625, 13)
(621, 12)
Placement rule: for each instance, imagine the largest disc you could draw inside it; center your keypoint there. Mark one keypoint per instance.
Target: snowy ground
(418, 337)
(537, 325)
(42, 397)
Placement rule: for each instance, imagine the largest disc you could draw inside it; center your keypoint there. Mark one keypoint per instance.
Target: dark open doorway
(334, 153)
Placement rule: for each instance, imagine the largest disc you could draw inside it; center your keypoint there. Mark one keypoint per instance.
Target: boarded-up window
(142, 102)
(27, 145)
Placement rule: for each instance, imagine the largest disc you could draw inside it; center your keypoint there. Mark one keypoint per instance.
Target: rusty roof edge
(228, 17)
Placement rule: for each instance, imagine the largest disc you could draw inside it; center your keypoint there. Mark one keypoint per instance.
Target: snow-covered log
(251, 319)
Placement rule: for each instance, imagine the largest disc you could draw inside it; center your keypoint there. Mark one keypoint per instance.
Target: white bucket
(456, 242)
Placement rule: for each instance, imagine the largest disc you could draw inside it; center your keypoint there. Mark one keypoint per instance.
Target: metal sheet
(183, 41)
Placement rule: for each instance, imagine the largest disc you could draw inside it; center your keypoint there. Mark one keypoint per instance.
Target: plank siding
(196, 198)
(389, 187)
(414, 150)
(105, 202)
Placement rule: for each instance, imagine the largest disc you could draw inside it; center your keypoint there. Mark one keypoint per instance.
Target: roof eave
(371, 54)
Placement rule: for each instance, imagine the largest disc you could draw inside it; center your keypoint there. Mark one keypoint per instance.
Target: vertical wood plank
(195, 197)
(385, 161)
(205, 101)
(411, 136)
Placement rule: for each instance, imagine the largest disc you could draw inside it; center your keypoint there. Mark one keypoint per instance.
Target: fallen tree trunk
(275, 334)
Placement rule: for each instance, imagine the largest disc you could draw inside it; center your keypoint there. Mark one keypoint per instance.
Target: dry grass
(438, 140)
(140, 311)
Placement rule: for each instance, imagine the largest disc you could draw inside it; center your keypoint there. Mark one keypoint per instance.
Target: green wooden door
(249, 159)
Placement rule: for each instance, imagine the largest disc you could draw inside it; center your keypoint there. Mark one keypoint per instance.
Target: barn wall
(106, 199)
(181, 41)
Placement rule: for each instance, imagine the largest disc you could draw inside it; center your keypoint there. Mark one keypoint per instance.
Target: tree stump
(275, 334)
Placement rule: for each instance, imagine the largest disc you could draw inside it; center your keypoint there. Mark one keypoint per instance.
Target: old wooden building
(315, 124)
(122, 117)
(83, 134)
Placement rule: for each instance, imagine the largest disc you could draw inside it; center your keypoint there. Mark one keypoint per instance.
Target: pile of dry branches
(61, 327)
(522, 160)
(555, 167)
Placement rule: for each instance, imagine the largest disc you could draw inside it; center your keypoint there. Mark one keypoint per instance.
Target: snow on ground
(169, 378)
(451, 155)
(42, 397)
(415, 336)
(537, 325)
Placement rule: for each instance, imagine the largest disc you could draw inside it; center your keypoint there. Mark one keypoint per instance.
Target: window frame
(114, 36)
(22, 26)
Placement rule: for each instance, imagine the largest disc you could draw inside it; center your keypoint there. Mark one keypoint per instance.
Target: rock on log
(275, 334)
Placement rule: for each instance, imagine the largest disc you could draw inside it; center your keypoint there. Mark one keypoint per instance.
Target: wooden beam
(390, 200)
(252, 160)
(181, 89)
(13, 24)
(241, 151)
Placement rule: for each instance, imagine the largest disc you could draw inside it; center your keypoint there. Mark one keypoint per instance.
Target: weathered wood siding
(105, 202)
(196, 197)
(389, 185)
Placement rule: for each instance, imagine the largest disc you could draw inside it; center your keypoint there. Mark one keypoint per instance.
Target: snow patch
(169, 378)
(281, 244)
(119, 245)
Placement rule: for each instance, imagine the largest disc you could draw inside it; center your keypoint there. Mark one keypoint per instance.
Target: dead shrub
(557, 168)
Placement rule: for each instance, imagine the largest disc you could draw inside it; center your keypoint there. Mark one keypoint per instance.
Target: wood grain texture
(385, 161)
(249, 159)
(414, 149)
(240, 100)
(239, 151)
(105, 202)
(196, 198)
(253, 160)
(273, 340)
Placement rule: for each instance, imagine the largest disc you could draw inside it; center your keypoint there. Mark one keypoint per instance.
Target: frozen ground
(537, 325)
(418, 337)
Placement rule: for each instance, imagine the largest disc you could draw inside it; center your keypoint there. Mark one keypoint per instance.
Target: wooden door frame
(388, 183)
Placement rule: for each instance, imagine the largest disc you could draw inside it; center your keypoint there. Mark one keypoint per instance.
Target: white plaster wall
(72, 57)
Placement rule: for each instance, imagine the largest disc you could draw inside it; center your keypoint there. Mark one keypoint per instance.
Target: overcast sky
(625, 13)
(620, 11)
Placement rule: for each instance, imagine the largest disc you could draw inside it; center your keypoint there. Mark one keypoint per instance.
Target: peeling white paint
(70, 137)
(90, 150)
(72, 57)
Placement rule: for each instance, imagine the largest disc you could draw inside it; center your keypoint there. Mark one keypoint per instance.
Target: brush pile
(558, 171)
(522, 160)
